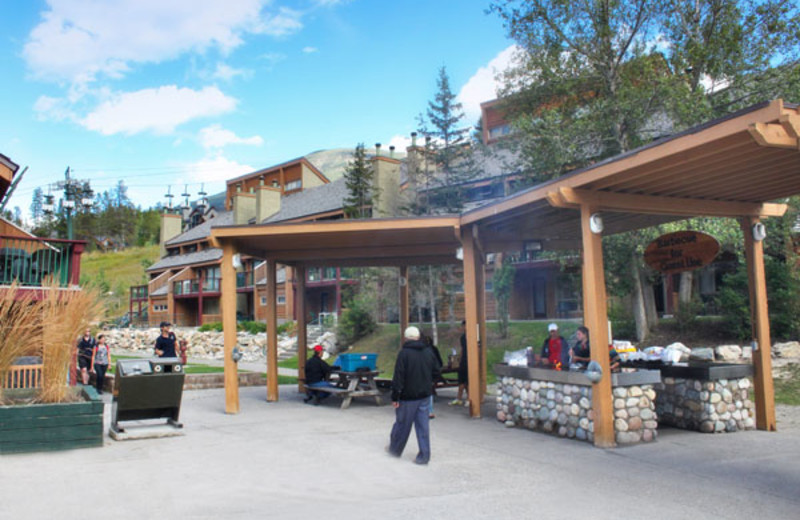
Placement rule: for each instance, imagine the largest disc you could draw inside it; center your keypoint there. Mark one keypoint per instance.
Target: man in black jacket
(414, 372)
(317, 372)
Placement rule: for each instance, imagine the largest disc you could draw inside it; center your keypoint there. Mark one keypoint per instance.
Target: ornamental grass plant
(20, 327)
(64, 316)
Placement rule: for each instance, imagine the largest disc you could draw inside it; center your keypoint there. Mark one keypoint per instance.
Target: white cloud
(310, 50)
(401, 142)
(79, 40)
(159, 110)
(483, 85)
(286, 22)
(214, 170)
(50, 108)
(215, 137)
(226, 72)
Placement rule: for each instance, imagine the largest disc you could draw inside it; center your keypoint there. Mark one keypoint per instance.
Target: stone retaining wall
(566, 409)
(717, 406)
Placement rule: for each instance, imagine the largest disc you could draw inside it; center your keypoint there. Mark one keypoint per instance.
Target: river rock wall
(706, 406)
(566, 410)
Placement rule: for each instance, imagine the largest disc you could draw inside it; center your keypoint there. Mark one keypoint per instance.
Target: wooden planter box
(49, 427)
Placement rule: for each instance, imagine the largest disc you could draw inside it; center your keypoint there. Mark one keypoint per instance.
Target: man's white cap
(411, 333)
(552, 327)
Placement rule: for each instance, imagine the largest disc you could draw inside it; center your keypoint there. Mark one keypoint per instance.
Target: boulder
(789, 349)
(702, 354)
(728, 352)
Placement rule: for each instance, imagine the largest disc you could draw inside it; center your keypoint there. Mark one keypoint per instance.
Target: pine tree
(361, 194)
(447, 146)
(37, 203)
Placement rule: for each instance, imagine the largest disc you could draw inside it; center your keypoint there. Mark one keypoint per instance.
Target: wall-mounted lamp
(594, 372)
(596, 223)
(460, 253)
(236, 354)
(759, 232)
(237, 261)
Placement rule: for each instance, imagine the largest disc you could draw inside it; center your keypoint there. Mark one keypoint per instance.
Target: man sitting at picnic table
(317, 372)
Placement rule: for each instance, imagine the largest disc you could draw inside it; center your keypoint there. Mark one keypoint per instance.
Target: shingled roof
(199, 232)
(320, 199)
(197, 257)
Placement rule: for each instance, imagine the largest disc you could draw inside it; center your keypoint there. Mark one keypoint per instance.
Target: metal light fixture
(594, 372)
(460, 253)
(236, 354)
(237, 261)
(596, 223)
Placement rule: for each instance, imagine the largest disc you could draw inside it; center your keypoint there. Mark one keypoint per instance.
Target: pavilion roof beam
(646, 204)
(783, 134)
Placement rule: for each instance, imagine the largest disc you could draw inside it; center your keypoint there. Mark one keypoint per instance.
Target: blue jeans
(411, 413)
(320, 384)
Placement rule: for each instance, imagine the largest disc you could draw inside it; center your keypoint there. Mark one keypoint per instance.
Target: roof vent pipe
(377, 149)
(413, 139)
(391, 151)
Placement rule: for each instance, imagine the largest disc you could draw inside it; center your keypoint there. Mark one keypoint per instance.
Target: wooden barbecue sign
(681, 251)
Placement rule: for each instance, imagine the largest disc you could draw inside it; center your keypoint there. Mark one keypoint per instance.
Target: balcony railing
(192, 286)
(244, 279)
(37, 262)
(138, 292)
(523, 257)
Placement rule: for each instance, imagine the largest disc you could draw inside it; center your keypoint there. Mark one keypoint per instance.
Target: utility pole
(75, 192)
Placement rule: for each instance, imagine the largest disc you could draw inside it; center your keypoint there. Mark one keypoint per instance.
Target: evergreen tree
(37, 203)
(358, 177)
(447, 147)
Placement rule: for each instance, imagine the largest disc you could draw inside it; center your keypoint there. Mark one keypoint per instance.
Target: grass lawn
(787, 389)
(188, 369)
(385, 341)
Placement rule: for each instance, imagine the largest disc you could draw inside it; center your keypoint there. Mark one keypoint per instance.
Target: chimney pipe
(377, 149)
(413, 139)
(391, 151)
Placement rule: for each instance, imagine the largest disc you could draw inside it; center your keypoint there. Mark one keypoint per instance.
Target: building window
(159, 307)
(281, 300)
(263, 301)
(293, 185)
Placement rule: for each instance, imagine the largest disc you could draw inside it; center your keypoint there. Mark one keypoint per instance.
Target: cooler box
(352, 362)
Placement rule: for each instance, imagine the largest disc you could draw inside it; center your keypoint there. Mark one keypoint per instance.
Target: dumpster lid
(132, 367)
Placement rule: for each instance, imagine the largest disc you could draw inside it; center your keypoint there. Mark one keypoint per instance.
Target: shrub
(215, 326)
(253, 327)
(623, 325)
(356, 322)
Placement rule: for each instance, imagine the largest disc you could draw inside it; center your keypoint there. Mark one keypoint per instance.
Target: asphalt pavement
(293, 460)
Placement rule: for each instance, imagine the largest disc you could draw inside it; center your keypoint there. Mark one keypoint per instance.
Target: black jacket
(316, 370)
(414, 372)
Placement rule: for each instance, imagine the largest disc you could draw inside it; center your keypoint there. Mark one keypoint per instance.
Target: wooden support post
(272, 334)
(595, 318)
(302, 339)
(228, 303)
(403, 301)
(480, 280)
(471, 306)
(762, 362)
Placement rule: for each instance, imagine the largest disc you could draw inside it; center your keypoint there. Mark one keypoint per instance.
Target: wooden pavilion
(733, 167)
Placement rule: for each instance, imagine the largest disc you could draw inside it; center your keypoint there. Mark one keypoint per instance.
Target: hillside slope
(114, 273)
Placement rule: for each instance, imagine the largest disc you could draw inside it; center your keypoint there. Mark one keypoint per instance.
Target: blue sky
(160, 92)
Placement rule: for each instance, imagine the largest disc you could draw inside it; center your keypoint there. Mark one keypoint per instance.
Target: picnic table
(350, 384)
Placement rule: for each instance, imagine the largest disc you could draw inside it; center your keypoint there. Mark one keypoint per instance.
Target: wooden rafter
(647, 204)
(776, 135)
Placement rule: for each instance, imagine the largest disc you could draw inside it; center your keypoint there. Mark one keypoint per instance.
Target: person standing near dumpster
(86, 344)
(101, 358)
(165, 343)
(415, 370)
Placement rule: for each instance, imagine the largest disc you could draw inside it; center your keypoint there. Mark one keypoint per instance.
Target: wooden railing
(23, 376)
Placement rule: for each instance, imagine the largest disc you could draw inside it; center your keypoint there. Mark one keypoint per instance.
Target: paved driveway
(291, 460)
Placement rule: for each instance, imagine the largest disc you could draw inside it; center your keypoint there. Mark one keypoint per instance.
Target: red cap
(318, 348)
